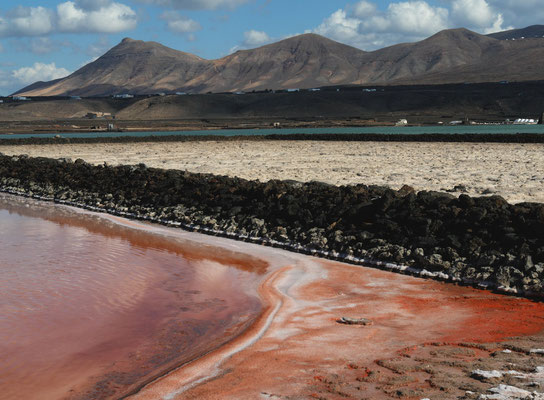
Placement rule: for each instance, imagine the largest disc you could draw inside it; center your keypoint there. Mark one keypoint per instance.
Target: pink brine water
(91, 308)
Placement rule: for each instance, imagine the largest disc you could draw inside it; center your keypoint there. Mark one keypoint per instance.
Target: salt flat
(514, 171)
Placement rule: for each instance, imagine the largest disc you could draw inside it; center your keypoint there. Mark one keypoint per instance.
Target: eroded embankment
(475, 240)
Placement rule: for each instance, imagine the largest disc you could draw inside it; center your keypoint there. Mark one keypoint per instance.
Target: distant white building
(525, 121)
(123, 96)
(293, 90)
(402, 122)
(20, 98)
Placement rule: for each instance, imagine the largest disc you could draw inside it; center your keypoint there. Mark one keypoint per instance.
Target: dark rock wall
(476, 240)
(347, 137)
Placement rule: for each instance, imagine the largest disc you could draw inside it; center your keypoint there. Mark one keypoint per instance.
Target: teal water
(412, 130)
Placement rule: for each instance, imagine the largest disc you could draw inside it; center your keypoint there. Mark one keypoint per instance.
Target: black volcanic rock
(476, 240)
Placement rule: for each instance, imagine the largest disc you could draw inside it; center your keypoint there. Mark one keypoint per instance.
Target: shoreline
(279, 351)
(189, 375)
(161, 360)
(296, 310)
(295, 248)
(379, 241)
(299, 248)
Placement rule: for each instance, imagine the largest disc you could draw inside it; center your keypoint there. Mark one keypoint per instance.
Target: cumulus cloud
(102, 16)
(364, 25)
(256, 38)
(415, 17)
(39, 72)
(196, 4)
(477, 14)
(364, 8)
(180, 24)
(340, 27)
(27, 21)
(109, 18)
(252, 39)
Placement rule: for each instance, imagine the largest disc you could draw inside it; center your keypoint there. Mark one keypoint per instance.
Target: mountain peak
(455, 34)
(304, 61)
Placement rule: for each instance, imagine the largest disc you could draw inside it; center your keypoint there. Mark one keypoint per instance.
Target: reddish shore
(422, 332)
(424, 339)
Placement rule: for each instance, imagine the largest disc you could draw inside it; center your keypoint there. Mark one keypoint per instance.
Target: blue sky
(44, 40)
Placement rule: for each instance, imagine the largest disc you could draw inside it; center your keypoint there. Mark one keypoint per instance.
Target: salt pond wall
(484, 241)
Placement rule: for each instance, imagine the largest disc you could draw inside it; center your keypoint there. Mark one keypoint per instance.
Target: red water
(90, 308)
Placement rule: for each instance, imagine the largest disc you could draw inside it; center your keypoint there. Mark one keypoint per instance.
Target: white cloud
(364, 8)
(180, 24)
(416, 18)
(27, 21)
(340, 27)
(363, 25)
(39, 72)
(252, 39)
(102, 16)
(256, 38)
(109, 18)
(477, 14)
(196, 4)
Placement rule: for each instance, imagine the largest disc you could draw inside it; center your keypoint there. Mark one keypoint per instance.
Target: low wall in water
(483, 241)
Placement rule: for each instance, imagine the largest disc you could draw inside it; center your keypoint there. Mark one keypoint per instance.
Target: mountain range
(307, 61)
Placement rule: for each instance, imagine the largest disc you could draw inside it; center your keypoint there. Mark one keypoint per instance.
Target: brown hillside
(304, 61)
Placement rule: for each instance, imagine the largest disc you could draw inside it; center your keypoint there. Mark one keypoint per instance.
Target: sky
(44, 40)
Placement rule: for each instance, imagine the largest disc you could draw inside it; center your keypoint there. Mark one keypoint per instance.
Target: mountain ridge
(303, 61)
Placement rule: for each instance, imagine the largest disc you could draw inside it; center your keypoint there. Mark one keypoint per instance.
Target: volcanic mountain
(304, 61)
(533, 31)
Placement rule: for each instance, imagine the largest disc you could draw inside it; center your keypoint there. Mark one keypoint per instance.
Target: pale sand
(514, 171)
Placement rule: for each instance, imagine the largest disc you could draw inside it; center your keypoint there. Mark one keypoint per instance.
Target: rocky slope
(304, 61)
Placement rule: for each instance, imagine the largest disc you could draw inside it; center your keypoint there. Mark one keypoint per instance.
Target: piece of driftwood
(354, 321)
